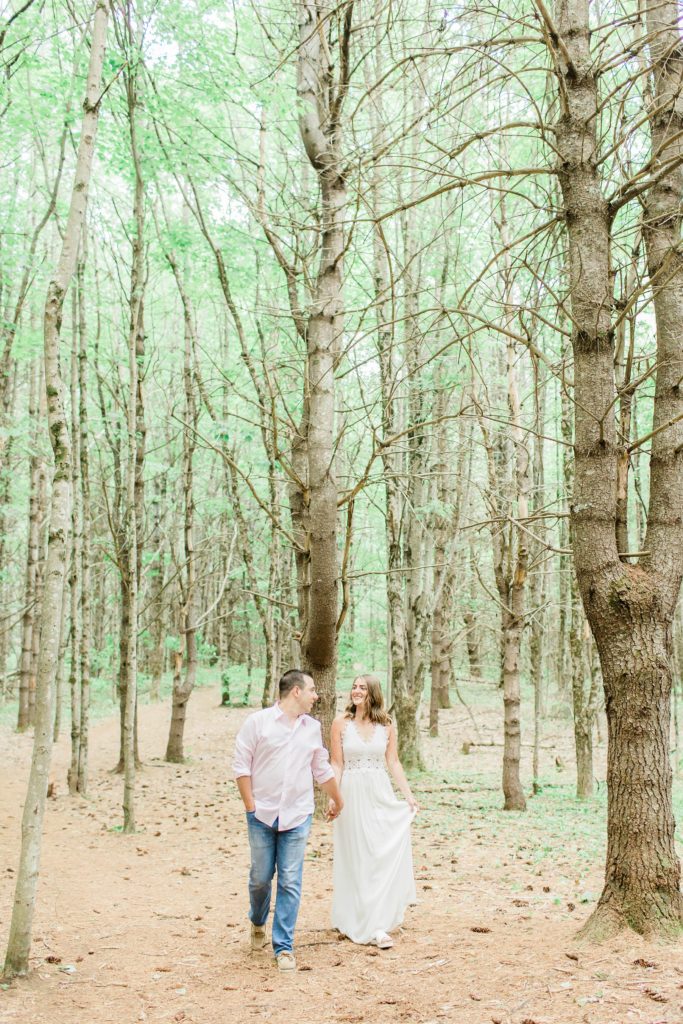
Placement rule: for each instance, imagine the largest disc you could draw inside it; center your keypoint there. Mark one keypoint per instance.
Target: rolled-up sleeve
(245, 744)
(320, 765)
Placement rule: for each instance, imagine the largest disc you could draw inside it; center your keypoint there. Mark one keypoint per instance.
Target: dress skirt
(373, 862)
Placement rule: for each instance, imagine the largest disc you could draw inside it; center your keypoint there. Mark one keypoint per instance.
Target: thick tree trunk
(642, 883)
(321, 101)
(629, 607)
(406, 708)
(319, 640)
(19, 944)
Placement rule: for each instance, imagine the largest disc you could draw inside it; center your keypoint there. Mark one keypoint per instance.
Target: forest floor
(152, 926)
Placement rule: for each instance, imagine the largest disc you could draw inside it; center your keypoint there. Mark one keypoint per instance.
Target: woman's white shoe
(383, 940)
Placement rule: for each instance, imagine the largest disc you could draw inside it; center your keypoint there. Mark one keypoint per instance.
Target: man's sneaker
(258, 936)
(286, 961)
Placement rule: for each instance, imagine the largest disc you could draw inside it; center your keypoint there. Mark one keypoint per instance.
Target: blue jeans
(284, 851)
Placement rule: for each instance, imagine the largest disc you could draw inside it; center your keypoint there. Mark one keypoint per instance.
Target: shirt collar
(279, 713)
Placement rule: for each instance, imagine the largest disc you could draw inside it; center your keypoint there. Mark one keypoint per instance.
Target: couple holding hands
(278, 753)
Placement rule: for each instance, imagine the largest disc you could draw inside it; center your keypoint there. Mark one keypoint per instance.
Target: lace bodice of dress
(364, 755)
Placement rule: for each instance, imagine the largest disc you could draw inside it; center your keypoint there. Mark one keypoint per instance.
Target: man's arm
(331, 787)
(245, 744)
(244, 786)
(325, 776)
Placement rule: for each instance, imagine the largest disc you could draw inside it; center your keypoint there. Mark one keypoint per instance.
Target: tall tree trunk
(537, 589)
(583, 708)
(19, 943)
(184, 685)
(321, 101)
(135, 454)
(157, 575)
(470, 617)
(6, 598)
(84, 654)
(29, 620)
(75, 579)
(629, 607)
(509, 482)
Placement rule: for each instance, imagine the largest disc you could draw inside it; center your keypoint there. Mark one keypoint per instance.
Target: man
(278, 753)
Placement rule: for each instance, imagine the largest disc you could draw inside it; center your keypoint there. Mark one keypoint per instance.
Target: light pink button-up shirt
(282, 757)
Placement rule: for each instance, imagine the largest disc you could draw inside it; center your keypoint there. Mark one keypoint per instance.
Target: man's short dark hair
(293, 677)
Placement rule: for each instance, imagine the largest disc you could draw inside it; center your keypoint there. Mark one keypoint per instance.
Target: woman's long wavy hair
(375, 701)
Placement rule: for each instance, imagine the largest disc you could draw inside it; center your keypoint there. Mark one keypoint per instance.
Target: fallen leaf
(658, 997)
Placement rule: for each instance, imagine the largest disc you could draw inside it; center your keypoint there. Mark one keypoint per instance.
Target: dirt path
(152, 927)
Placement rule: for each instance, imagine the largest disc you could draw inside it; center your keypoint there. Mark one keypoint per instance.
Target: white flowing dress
(373, 860)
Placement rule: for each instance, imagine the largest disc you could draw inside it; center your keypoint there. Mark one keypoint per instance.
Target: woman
(373, 862)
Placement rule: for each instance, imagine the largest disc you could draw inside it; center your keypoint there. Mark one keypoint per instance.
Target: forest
(348, 335)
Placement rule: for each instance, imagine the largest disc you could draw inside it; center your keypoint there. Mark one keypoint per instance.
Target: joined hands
(333, 810)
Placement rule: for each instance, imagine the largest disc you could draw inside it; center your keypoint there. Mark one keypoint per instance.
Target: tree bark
(135, 453)
(157, 575)
(629, 607)
(19, 943)
(509, 484)
(537, 589)
(583, 707)
(75, 578)
(321, 101)
(30, 618)
(84, 653)
(184, 685)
